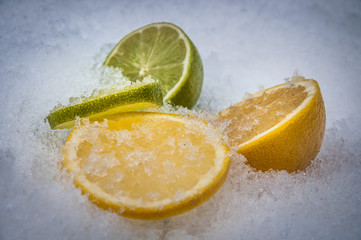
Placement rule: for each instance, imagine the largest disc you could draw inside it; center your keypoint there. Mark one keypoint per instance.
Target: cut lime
(139, 95)
(165, 52)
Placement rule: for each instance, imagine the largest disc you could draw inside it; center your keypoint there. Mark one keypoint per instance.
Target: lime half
(164, 52)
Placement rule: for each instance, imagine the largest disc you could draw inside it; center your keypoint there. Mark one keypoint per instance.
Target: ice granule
(119, 177)
(261, 88)
(171, 141)
(153, 195)
(179, 195)
(168, 108)
(123, 137)
(247, 96)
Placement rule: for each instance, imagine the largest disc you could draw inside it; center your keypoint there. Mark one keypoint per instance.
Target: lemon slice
(141, 95)
(280, 128)
(147, 165)
(165, 52)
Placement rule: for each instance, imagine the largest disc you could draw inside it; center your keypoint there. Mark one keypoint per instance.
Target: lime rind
(137, 96)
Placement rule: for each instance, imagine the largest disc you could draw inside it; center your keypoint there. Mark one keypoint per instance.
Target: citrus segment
(280, 128)
(147, 165)
(134, 97)
(165, 52)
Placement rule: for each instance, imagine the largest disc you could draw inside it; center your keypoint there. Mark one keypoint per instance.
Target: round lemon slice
(147, 165)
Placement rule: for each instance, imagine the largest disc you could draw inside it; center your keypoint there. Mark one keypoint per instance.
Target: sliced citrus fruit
(147, 165)
(165, 52)
(140, 95)
(280, 128)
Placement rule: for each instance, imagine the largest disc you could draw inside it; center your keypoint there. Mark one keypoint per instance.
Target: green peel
(135, 97)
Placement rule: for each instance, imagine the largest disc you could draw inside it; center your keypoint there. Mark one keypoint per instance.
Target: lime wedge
(139, 95)
(164, 52)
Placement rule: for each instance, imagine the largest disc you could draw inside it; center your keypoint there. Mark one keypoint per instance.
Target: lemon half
(280, 128)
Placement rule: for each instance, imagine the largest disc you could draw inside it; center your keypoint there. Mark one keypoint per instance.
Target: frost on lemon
(280, 128)
(147, 165)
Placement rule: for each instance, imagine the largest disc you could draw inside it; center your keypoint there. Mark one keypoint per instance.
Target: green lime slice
(164, 52)
(140, 95)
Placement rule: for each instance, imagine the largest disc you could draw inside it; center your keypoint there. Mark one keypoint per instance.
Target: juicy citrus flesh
(280, 128)
(163, 51)
(135, 97)
(147, 165)
(149, 51)
(258, 114)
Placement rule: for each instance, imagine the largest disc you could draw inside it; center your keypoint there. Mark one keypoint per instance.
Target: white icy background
(47, 54)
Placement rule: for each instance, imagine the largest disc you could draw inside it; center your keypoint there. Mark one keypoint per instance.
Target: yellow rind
(167, 211)
(292, 145)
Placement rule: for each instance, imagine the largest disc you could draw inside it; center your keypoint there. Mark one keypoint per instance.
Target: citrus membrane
(163, 51)
(280, 128)
(147, 165)
(139, 95)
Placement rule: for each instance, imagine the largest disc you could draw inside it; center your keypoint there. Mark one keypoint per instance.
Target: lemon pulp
(147, 165)
(280, 128)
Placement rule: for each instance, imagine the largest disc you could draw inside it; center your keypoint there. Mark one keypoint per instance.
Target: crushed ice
(45, 51)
